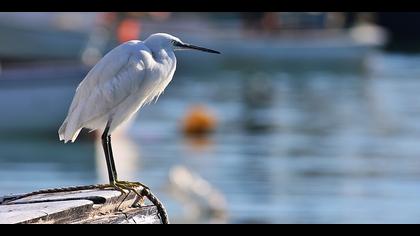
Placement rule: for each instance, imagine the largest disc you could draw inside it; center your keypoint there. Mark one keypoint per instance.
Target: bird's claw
(132, 184)
(125, 185)
(122, 186)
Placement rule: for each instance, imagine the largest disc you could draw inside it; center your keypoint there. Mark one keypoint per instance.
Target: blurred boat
(287, 48)
(66, 35)
(40, 36)
(36, 98)
(41, 67)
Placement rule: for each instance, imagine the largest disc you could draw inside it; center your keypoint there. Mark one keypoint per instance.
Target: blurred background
(306, 117)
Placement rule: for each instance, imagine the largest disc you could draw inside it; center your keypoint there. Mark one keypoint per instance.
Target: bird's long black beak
(190, 46)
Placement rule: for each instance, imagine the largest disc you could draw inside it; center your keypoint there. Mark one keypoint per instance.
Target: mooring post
(91, 206)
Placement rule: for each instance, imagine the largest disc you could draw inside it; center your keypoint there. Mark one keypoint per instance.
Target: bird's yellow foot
(122, 186)
(132, 184)
(113, 186)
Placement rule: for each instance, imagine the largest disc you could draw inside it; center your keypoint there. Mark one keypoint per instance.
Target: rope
(161, 209)
(7, 200)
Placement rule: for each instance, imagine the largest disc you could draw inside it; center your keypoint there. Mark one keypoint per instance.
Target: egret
(128, 77)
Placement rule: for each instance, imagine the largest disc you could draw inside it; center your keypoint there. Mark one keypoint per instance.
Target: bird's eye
(175, 43)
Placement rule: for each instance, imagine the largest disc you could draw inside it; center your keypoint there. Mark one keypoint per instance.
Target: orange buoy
(199, 121)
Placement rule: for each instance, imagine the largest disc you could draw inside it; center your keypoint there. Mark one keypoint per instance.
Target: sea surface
(289, 146)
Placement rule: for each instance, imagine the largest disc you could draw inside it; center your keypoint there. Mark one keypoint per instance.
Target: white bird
(128, 77)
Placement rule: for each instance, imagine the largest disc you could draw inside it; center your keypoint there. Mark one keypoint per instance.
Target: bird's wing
(110, 81)
(104, 71)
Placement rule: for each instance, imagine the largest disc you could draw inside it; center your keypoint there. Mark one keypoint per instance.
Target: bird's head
(162, 40)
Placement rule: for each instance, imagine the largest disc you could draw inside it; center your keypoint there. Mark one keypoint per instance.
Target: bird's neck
(163, 54)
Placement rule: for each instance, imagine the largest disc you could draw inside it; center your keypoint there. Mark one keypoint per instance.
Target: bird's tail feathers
(62, 130)
(67, 133)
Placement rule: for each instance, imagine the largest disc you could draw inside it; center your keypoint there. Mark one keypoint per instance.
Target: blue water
(289, 147)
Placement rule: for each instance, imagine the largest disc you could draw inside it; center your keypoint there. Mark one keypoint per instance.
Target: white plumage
(128, 77)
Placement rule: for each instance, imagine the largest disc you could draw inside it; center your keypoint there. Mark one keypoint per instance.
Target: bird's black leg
(105, 145)
(111, 157)
(130, 186)
(112, 171)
